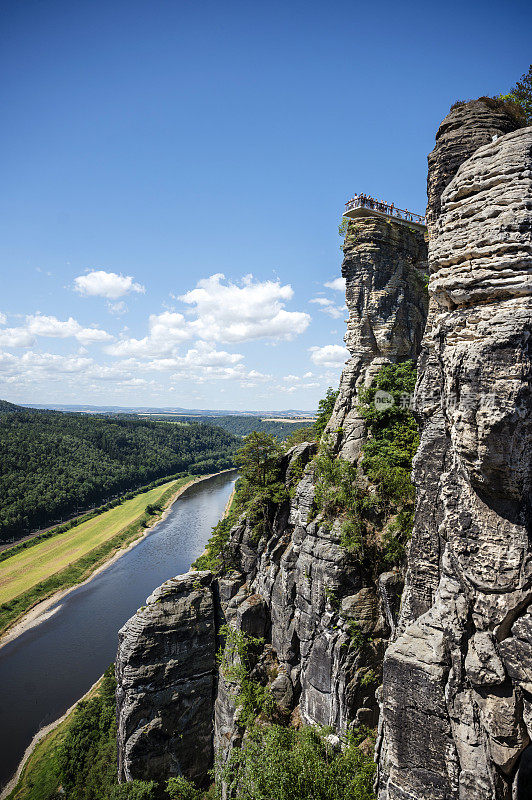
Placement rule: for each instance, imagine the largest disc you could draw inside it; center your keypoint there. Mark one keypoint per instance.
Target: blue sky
(149, 146)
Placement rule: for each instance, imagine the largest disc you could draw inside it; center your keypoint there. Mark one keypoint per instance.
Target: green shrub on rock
(285, 764)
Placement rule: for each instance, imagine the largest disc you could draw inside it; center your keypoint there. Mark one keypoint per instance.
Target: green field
(68, 558)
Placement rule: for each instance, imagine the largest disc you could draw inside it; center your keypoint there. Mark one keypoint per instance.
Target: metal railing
(361, 201)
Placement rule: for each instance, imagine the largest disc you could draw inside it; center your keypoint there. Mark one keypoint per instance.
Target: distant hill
(55, 464)
(204, 412)
(5, 406)
(242, 425)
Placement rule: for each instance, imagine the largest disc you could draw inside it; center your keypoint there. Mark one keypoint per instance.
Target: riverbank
(35, 606)
(45, 671)
(39, 747)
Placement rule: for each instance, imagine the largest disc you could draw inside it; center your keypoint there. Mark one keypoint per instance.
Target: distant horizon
(168, 409)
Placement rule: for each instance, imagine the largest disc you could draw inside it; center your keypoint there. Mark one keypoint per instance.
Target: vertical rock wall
(296, 586)
(166, 670)
(457, 691)
(385, 269)
(313, 589)
(466, 128)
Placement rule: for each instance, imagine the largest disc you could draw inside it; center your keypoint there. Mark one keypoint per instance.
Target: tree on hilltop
(521, 94)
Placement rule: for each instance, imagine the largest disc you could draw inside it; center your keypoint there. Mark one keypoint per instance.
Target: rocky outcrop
(166, 670)
(385, 268)
(323, 621)
(327, 621)
(467, 127)
(457, 688)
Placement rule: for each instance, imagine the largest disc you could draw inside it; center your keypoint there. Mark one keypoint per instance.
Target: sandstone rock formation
(457, 691)
(462, 132)
(165, 668)
(385, 268)
(296, 587)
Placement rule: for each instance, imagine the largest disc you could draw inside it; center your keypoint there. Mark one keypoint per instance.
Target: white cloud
(117, 308)
(42, 325)
(3, 319)
(338, 284)
(328, 307)
(99, 283)
(166, 332)
(332, 355)
(227, 312)
(51, 362)
(15, 337)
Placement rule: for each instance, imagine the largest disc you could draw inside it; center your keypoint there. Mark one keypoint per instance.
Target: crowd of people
(366, 201)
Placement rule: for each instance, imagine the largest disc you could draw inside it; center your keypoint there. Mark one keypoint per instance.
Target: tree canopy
(325, 409)
(521, 94)
(259, 458)
(57, 464)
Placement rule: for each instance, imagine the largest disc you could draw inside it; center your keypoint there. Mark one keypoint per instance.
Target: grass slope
(40, 777)
(32, 575)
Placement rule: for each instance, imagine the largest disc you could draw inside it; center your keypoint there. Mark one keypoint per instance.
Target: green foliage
(258, 459)
(182, 789)
(393, 434)
(299, 436)
(281, 763)
(521, 95)
(335, 487)
(236, 659)
(138, 790)
(376, 519)
(87, 756)
(55, 464)
(325, 409)
(239, 425)
(343, 226)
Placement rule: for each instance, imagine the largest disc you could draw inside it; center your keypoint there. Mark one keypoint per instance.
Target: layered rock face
(457, 690)
(385, 269)
(166, 670)
(466, 128)
(294, 586)
(313, 590)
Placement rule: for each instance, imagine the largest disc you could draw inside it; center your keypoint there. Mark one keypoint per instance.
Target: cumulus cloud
(329, 307)
(166, 332)
(99, 283)
(227, 312)
(42, 325)
(338, 284)
(52, 362)
(332, 355)
(16, 337)
(3, 319)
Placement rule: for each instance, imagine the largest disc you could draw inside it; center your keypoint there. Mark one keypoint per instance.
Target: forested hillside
(242, 426)
(54, 464)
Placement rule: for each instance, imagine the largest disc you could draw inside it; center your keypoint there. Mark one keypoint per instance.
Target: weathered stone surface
(465, 128)
(316, 597)
(453, 715)
(165, 670)
(385, 267)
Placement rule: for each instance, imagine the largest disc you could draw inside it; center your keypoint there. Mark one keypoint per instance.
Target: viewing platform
(363, 206)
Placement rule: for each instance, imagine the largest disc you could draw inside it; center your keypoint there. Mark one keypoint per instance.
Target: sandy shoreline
(40, 612)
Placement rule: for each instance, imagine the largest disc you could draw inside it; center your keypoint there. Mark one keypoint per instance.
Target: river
(50, 666)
